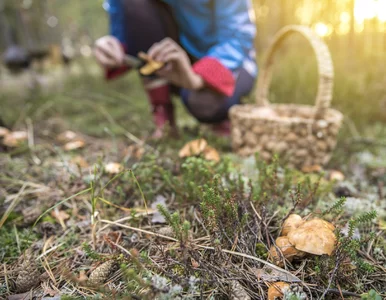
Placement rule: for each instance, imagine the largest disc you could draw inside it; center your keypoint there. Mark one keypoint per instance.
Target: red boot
(163, 111)
(222, 129)
(163, 117)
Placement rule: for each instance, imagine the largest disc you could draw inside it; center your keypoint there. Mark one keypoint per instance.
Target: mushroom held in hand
(277, 290)
(292, 222)
(151, 65)
(315, 237)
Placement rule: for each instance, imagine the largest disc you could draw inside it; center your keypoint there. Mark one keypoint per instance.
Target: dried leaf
(82, 276)
(312, 169)
(193, 148)
(66, 136)
(60, 216)
(136, 151)
(194, 262)
(211, 154)
(3, 131)
(15, 138)
(113, 168)
(74, 145)
(49, 291)
(134, 252)
(80, 161)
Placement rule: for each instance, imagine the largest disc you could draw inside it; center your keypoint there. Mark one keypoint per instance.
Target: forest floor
(163, 227)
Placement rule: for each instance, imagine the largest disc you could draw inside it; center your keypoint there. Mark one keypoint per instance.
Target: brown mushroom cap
(66, 136)
(193, 148)
(211, 154)
(288, 250)
(292, 222)
(277, 290)
(3, 131)
(316, 240)
(319, 223)
(286, 247)
(336, 176)
(15, 138)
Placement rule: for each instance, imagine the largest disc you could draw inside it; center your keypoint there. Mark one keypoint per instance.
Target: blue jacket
(218, 29)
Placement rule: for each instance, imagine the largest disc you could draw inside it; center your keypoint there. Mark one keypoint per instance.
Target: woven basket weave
(301, 135)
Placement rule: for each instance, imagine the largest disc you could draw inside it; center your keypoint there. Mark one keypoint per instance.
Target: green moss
(9, 249)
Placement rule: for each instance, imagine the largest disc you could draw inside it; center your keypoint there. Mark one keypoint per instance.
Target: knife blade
(133, 61)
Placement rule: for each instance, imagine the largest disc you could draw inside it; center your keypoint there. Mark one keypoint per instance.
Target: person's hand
(108, 52)
(178, 69)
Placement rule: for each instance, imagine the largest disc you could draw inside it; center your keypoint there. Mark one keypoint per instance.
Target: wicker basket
(301, 135)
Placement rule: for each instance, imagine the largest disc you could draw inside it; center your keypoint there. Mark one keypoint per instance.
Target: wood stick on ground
(295, 279)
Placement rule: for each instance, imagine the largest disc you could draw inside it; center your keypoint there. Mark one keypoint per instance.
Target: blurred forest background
(345, 23)
(355, 31)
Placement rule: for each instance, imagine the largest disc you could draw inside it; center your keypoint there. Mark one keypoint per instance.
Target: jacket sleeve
(235, 34)
(117, 29)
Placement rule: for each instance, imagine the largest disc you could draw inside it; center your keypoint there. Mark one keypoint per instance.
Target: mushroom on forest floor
(277, 290)
(292, 222)
(286, 248)
(15, 138)
(300, 237)
(316, 240)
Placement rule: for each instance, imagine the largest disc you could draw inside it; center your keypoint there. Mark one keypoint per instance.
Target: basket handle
(324, 61)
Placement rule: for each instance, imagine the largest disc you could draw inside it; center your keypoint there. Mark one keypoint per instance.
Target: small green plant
(347, 251)
(90, 252)
(278, 185)
(372, 295)
(181, 229)
(13, 242)
(350, 246)
(219, 209)
(335, 208)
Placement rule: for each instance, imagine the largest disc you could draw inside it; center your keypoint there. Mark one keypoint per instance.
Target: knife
(134, 61)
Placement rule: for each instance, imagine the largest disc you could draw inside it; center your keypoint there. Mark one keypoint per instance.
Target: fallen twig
(296, 279)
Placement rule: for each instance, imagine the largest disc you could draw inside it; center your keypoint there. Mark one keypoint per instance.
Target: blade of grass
(13, 204)
(126, 209)
(58, 204)
(140, 190)
(17, 238)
